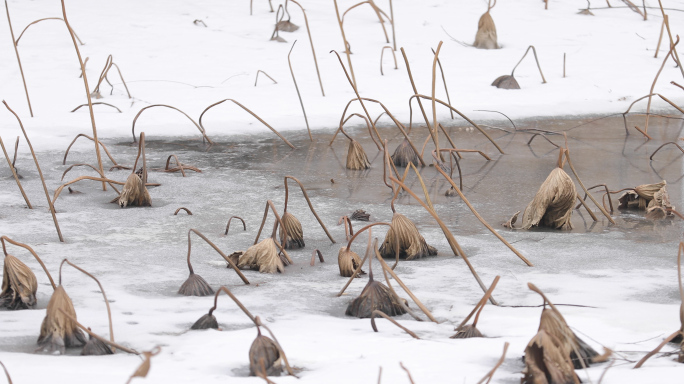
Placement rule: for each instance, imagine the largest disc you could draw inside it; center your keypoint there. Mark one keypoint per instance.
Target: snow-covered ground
(625, 273)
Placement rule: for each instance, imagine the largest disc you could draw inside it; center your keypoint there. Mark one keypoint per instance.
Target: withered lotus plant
(348, 261)
(553, 204)
(263, 256)
(552, 322)
(468, 331)
(486, 31)
(375, 296)
(545, 362)
(360, 215)
(266, 356)
(291, 232)
(404, 154)
(59, 331)
(195, 285)
(411, 243)
(209, 320)
(509, 81)
(19, 283)
(356, 156)
(135, 192)
(641, 196)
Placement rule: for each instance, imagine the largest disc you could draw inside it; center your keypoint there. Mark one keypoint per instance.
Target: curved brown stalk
(446, 90)
(382, 52)
(43, 19)
(313, 257)
(269, 204)
(280, 349)
(9, 379)
(348, 230)
(244, 226)
(16, 51)
(14, 173)
(256, 79)
(464, 117)
(534, 50)
(18, 244)
(235, 299)
(490, 374)
(657, 349)
(40, 173)
(368, 125)
(608, 192)
(545, 138)
(669, 142)
(669, 35)
(404, 287)
(178, 163)
(91, 139)
(141, 149)
(109, 311)
(235, 268)
(375, 9)
(108, 64)
(435, 137)
(289, 63)
(584, 204)
(183, 208)
(96, 336)
(567, 156)
(398, 190)
(648, 107)
(389, 285)
(96, 103)
(482, 220)
(346, 45)
(451, 162)
(382, 314)
(248, 111)
(122, 80)
(467, 151)
(87, 90)
(95, 169)
(313, 51)
(415, 91)
(480, 304)
(58, 191)
(199, 126)
(453, 244)
(306, 196)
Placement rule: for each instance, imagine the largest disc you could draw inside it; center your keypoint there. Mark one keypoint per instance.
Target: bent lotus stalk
(209, 321)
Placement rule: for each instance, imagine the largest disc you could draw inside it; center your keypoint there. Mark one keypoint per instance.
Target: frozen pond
(624, 273)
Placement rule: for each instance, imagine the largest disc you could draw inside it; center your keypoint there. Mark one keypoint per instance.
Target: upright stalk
(313, 51)
(16, 51)
(289, 63)
(346, 44)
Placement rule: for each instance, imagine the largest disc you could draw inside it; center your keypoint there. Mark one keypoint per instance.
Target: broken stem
(14, 173)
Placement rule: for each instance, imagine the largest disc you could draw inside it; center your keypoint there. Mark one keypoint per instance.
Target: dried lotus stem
(584, 204)
(534, 51)
(545, 138)
(96, 103)
(490, 374)
(244, 226)
(144, 367)
(91, 139)
(43, 19)
(346, 45)
(382, 52)
(14, 173)
(669, 142)
(18, 244)
(669, 35)
(183, 208)
(244, 279)
(199, 126)
(365, 257)
(368, 124)
(58, 191)
(248, 111)
(256, 79)
(280, 349)
(40, 173)
(235, 299)
(289, 63)
(382, 314)
(567, 156)
(313, 257)
(348, 230)
(648, 106)
(9, 379)
(313, 51)
(98, 337)
(269, 204)
(95, 169)
(306, 196)
(480, 304)
(178, 163)
(415, 90)
(657, 349)
(482, 220)
(444, 82)
(109, 311)
(16, 51)
(435, 136)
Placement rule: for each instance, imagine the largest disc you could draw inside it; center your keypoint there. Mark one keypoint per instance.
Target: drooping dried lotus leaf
(656, 213)
(205, 322)
(286, 26)
(95, 347)
(632, 200)
(58, 331)
(134, 193)
(356, 157)
(195, 285)
(262, 257)
(234, 257)
(19, 285)
(411, 244)
(647, 191)
(467, 332)
(552, 205)
(554, 324)
(661, 199)
(511, 222)
(348, 261)
(360, 215)
(295, 233)
(375, 296)
(545, 362)
(264, 354)
(506, 82)
(404, 154)
(486, 33)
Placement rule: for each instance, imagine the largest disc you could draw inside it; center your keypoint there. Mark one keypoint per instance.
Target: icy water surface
(626, 272)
